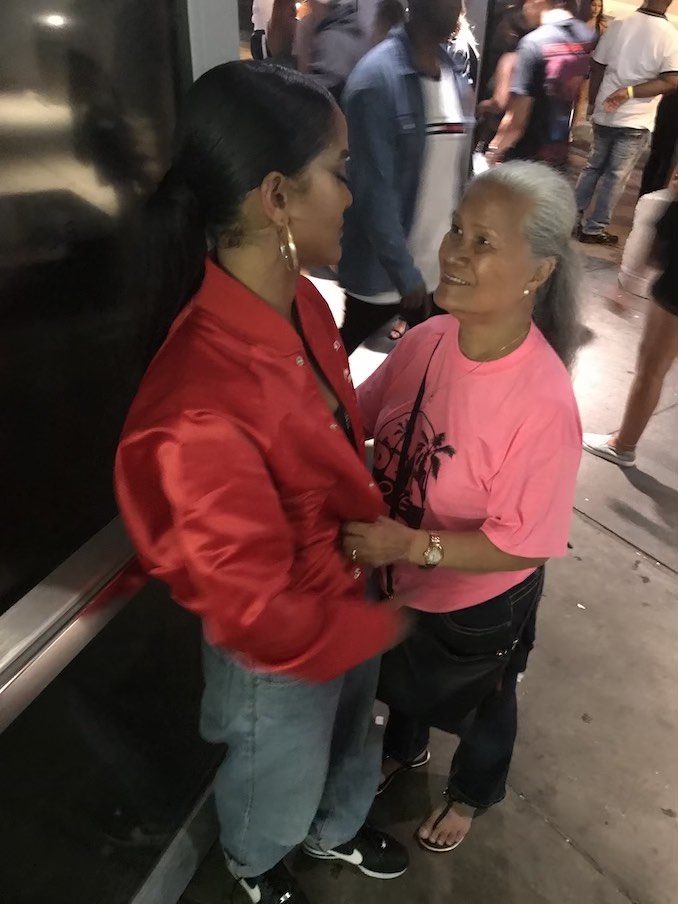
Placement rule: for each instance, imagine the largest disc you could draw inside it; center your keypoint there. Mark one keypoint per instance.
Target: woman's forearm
(469, 551)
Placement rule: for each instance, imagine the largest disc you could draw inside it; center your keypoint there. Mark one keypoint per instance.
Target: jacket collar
(403, 57)
(244, 314)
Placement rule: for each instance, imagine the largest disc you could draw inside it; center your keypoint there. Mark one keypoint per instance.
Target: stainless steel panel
(87, 109)
(104, 767)
(46, 630)
(31, 623)
(183, 856)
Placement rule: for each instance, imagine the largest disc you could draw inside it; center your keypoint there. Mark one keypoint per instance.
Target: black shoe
(419, 761)
(376, 854)
(601, 238)
(277, 886)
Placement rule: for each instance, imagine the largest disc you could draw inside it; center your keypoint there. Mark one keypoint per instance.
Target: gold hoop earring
(288, 248)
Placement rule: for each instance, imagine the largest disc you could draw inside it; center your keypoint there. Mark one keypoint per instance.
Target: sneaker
(599, 444)
(600, 238)
(277, 886)
(419, 761)
(376, 854)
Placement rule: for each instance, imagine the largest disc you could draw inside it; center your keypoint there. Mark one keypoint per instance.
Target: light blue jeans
(303, 760)
(612, 159)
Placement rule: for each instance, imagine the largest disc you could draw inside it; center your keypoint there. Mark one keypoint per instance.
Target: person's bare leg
(658, 350)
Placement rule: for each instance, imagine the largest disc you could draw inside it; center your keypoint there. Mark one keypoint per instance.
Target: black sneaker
(277, 886)
(376, 854)
(601, 238)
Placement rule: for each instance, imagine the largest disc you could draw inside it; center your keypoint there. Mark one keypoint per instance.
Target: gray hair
(548, 231)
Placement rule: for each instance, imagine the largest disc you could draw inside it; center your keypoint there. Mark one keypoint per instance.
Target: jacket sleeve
(235, 551)
(372, 169)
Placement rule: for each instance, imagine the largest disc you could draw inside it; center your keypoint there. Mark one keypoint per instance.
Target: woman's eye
(483, 241)
(455, 230)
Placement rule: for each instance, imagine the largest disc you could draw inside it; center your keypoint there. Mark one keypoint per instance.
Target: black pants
(487, 735)
(258, 46)
(662, 152)
(362, 319)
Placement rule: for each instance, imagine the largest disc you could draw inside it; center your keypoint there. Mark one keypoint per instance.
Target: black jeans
(362, 319)
(258, 45)
(487, 735)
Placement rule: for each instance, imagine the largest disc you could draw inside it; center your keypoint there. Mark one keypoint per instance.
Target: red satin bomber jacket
(233, 479)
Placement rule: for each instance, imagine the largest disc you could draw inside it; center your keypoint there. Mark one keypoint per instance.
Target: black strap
(403, 473)
(341, 414)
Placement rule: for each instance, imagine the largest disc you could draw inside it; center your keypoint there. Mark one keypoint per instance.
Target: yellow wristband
(630, 93)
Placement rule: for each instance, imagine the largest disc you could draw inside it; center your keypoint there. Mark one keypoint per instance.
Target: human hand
(615, 100)
(382, 543)
(415, 306)
(493, 156)
(487, 106)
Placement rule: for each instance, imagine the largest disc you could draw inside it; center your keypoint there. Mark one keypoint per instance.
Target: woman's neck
(491, 340)
(264, 273)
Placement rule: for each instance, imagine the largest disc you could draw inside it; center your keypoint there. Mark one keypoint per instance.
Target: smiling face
(485, 259)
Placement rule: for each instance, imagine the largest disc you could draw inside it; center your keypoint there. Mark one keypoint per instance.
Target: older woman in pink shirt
(477, 446)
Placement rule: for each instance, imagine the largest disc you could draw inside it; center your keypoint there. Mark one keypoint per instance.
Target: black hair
(241, 121)
(390, 13)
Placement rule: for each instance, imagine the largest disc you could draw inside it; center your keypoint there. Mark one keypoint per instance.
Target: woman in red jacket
(241, 457)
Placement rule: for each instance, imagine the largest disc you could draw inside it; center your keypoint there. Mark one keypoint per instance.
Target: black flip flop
(439, 848)
(416, 763)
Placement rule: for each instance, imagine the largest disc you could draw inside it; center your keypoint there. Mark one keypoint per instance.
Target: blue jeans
(612, 159)
(303, 760)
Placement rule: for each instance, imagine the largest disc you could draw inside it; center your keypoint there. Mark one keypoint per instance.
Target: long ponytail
(172, 228)
(556, 310)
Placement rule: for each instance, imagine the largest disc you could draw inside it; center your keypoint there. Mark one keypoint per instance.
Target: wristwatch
(434, 552)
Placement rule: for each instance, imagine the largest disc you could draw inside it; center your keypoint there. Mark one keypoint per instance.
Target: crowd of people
(241, 473)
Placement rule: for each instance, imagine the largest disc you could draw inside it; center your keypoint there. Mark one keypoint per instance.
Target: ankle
(619, 445)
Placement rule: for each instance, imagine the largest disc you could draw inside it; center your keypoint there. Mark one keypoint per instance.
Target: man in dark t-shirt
(551, 65)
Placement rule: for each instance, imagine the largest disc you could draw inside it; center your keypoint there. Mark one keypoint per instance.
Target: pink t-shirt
(496, 448)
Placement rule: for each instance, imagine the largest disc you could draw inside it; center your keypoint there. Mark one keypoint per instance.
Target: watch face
(434, 555)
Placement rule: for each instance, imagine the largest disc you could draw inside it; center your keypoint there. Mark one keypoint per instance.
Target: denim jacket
(384, 106)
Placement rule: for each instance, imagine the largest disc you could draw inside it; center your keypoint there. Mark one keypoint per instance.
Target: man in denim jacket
(410, 119)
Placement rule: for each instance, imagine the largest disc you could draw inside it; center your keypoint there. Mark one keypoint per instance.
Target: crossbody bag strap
(403, 474)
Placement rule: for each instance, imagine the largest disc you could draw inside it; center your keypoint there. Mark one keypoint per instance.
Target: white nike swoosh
(356, 858)
(254, 892)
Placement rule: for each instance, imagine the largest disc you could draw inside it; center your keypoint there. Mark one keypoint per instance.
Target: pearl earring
(526, 291)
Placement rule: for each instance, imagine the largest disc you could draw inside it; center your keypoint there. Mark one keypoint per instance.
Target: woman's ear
(544, 270)
(274, 193)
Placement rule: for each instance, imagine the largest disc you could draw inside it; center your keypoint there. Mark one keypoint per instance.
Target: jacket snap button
(347, 375)
(372, 485)
(357, 573)
(337, 345)
(300, 361)
(334, 426)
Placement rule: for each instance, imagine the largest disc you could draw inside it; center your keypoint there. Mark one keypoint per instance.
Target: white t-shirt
(261, 14)
(439, 188)
(637, 49)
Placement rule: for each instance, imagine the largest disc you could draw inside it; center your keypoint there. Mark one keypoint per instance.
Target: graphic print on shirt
(427, 454)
